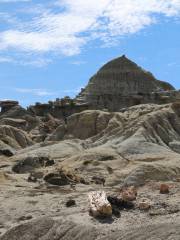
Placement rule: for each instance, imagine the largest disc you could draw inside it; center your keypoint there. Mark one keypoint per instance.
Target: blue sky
(51, 48)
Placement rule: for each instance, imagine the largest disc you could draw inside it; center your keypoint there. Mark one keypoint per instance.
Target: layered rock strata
(122, 83)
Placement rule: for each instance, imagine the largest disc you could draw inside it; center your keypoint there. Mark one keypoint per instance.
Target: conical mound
(117, 79)
(124, 77)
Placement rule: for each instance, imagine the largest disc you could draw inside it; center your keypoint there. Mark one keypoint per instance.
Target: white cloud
(36, 92)
(13, 1)
(6, 59)
(26, 61)
(44, 92)
(78, 63)
(66, 26)
(173, 64)
(37, 62)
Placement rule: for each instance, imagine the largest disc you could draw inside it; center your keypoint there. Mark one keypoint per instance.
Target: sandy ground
(22, 201)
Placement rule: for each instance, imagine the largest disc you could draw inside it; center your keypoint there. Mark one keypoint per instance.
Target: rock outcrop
(120, 136)
(6, 105)
(14, 137)
(122, 83)
(143, 133)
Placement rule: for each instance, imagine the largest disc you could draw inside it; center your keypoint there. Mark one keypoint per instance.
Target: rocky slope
(120, 135)
(138, 146)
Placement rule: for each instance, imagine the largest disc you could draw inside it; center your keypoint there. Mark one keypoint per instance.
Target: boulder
(63, 177)
(19, 137)
(6, 150)
(99, 206)
(29, 164)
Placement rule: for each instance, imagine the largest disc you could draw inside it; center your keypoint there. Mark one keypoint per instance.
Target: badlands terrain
(49, 165)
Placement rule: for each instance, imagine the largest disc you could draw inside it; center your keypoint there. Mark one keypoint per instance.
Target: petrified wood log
(99, 205)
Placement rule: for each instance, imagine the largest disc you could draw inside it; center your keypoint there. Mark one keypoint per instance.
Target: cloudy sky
(50, 48)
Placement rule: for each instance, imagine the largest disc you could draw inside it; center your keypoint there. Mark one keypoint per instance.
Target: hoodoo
(121, 83)
(6, 105)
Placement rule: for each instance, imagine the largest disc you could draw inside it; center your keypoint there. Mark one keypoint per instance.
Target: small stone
(24, 218)
(32, 178)
(7, 152)
(49, 163)
(177, 179)
(119, 203)
(164, 189)
(98, 180)
(129, 194)
(70, 203)
(144, 204)
(116, 211)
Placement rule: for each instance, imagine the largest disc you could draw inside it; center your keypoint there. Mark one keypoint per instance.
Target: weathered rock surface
(14, 137)
(155, 231)
(136, 142)
(6, 105)
(98, 150)
(29, 164)
(122, 83)
(18, 123)
(6, 150)
(99, 206)
(47, 228)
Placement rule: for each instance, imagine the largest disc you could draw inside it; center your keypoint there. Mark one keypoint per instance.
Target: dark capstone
(83, 181)
(49, 163)
(119, 203)
(70, 203)
(25, 218)
(98, 180)
(32, 178)
(128, 205)
(116, 211)
(57, 179)
(7, 152)
(115, 201)
(28, 164)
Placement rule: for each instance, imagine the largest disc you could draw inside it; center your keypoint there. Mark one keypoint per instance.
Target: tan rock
(129, 194)
(164, 189)
(14, 137)
(99, 205)
(144, 204)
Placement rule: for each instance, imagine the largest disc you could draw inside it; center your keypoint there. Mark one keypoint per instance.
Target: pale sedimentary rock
(144, 204)
(99, 205)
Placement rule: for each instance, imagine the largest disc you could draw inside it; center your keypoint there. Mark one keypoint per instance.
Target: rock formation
(122, 83)
(6, 105)
(118, 84)
(120, 136)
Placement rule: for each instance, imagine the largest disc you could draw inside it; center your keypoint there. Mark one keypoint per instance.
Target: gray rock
(29, 164)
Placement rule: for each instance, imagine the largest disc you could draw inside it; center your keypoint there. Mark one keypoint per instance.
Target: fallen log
(99, 205)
